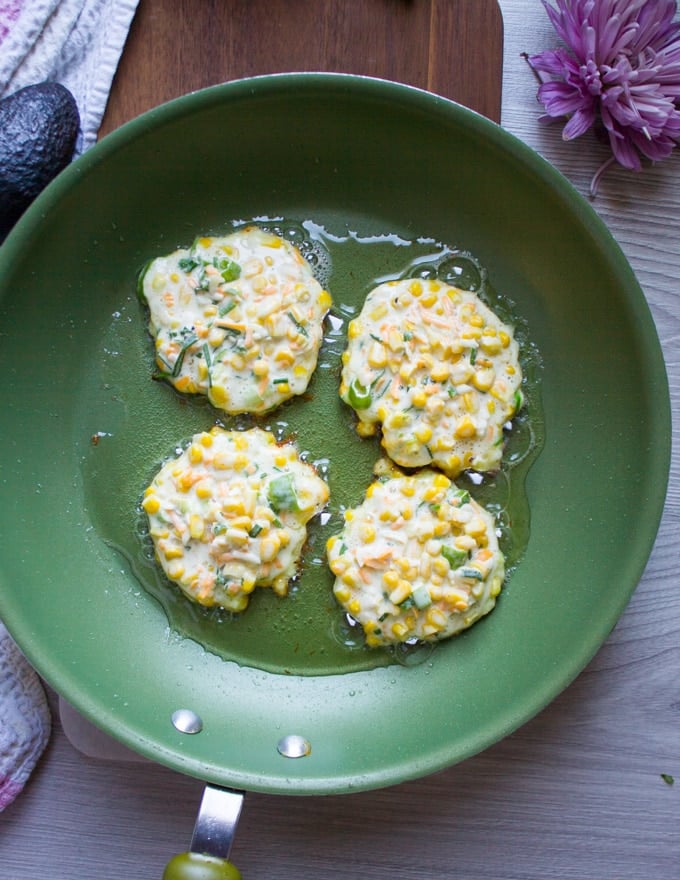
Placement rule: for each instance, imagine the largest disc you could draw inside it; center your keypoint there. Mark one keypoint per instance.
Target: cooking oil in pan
(138, 423)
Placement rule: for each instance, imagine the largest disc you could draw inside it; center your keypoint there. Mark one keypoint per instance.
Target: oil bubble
(462, 272)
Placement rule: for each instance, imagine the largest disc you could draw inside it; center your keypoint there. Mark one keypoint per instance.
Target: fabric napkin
(24, 719)
(77, 43)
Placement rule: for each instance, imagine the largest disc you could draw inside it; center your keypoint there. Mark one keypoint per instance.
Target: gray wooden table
(576, 793)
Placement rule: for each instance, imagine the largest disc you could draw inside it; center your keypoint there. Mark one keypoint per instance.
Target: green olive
(194, 866)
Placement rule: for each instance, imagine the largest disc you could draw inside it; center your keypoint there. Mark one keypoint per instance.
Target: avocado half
(38, 129)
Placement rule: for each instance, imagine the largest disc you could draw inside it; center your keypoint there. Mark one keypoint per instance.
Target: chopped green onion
(472, 573)
(225, 308)
(453, 556)
(459, 497)
(140, 280)
(187, 264)
(281, 494)
(186, 345)
(421, 597)
(358, 396)
(298, 326)
(229, 270)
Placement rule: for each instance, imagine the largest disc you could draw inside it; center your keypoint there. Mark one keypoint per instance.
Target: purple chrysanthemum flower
(620, 66)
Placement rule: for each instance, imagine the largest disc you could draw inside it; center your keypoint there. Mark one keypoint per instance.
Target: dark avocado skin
(38, 129)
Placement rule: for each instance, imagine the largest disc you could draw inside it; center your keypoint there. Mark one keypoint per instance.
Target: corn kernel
(285, 358)
(377, 356)
(196, 525)
(367, 532)
(325, 301)
(440, 372)
(218, 395)
(195, 453)
(419, 398)
(151, 504)
(399, 629)
(484, 379)
(342, 593)
(415, 288)
(440, 566)
(423, 433)
(366, 429)
(354, 607)
(216, 336)
(390, 578)
(475, 527)
(399, 420)
(339, 566)
(470, 402)
(465, 429)
(395, 340)
(378, 312)
(176, 570)
(489, 345)
(354, 329)
(173, 552)
(269, 547)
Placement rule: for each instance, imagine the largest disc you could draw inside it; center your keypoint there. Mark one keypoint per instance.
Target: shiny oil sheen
(353, 154)
(305, 633)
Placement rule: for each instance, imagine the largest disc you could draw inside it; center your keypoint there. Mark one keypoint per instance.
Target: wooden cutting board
(451, 47)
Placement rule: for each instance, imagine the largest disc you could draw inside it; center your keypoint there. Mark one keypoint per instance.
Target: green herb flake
(453, 556)
(189, 341)
(187, 264)
(667, 778)
(459, 497)
(358, 396)
(298, 326)
(281, 494)
(225, 308)
(228, 269)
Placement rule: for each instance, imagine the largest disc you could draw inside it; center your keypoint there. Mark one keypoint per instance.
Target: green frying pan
(376, 180)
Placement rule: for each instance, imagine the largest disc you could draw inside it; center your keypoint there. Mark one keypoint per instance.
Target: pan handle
(211, 841)
(197, 866)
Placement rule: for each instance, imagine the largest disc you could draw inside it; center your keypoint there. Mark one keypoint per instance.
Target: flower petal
(579, 123)
(561, 99)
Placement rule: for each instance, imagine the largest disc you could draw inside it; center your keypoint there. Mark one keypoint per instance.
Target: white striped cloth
(75, 42)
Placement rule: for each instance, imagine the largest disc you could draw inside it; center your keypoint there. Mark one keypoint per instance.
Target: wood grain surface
(575, 794)
(451, 47)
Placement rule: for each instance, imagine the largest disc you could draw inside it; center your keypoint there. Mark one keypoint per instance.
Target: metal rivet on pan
(294, 746)
(187, 721)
